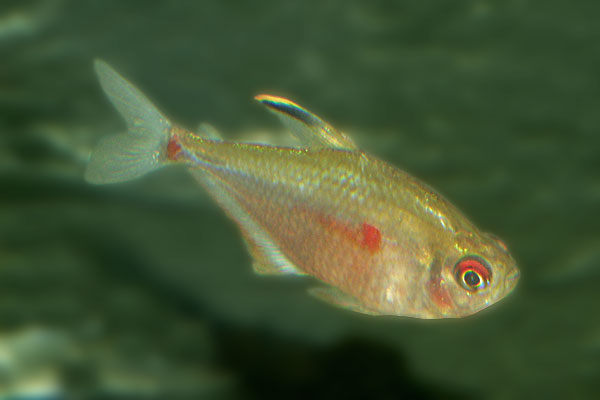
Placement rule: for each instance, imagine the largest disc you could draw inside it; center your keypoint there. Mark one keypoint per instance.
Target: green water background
(493, 103)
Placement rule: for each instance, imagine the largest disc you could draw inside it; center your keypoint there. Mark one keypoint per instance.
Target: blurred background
(145, 290)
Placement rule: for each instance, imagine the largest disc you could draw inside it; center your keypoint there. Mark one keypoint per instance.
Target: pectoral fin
(338, 298)
(307, 127)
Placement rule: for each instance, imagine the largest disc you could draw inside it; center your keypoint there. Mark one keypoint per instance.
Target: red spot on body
(173, 148)
(366, 236)
(371, 237)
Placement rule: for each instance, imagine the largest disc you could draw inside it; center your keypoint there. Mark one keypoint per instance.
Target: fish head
(475, 273)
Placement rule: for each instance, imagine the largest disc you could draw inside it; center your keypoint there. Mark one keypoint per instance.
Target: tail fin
(127, 156)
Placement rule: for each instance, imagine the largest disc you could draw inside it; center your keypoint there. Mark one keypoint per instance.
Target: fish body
(380, 240)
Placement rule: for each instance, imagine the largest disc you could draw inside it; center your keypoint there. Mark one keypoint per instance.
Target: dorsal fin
(307, 127)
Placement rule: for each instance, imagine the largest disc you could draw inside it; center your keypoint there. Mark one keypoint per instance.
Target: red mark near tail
(173, 148)
(371, 237)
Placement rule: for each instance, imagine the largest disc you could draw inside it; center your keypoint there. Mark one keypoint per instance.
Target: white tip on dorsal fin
(308, 128)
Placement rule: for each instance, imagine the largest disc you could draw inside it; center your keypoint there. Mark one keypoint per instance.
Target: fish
(377, 240)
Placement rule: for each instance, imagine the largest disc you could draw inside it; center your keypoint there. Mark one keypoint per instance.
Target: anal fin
(338, 298)
(268, 259)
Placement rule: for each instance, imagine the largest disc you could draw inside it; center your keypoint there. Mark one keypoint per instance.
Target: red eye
(472, 273)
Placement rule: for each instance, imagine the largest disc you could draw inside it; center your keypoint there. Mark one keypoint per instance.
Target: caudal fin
(127, 156)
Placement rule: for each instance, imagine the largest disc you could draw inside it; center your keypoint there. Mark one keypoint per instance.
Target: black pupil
(472, 279)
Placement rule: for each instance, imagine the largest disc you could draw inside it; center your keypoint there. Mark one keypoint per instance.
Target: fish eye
(472, 273)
